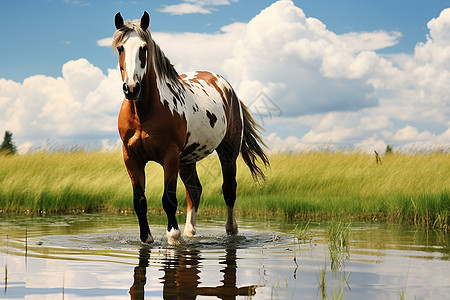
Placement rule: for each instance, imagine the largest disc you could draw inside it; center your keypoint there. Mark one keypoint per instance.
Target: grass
(303, 234)
(339, 235)
(413, 188)
(323, 283)
(338, 242)
(338, 291)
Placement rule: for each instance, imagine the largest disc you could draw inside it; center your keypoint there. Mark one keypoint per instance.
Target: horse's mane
(163, 67)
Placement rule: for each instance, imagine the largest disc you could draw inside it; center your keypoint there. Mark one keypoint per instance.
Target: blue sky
(44, 34)
(346, 73)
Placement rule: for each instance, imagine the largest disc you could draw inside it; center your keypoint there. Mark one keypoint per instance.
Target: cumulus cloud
(83, 103)
(409, 133)
(200, 51)
(290, 57)
(414, 90)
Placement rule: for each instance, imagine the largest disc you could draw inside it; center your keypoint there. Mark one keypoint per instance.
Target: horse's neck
(149, 102)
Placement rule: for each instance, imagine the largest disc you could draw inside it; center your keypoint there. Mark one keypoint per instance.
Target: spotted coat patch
(212, 118)
(201, 99)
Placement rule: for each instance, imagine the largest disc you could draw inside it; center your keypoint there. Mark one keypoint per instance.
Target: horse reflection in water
(181, 276)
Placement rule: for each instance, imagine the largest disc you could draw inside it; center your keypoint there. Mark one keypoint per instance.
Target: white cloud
(8, 92)
(185, 8)
(440, 28)
(362, 41)
(409, 133)
(193, 7)
(336, 86)
(371, 144)
(25, 148)
(200, 51)
(82, 103)
(77, 2)
(287, 55)
(290, 144)
(106, 42)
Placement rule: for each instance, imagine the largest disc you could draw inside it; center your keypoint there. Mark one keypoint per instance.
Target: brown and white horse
(177, 120)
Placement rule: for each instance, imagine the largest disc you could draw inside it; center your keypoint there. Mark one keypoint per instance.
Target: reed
(338, 242)
(303, 234)
(406, 187)
(323, 283)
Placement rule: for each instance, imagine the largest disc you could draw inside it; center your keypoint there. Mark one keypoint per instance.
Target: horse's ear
(145, 21)
(118, 20)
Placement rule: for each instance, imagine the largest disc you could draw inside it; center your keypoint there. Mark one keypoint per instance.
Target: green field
(408, 188)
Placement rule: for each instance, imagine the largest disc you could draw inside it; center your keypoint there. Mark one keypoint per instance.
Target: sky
(316, 74)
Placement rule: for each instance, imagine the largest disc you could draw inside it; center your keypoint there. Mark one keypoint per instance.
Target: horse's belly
(205, 131)
(202, 140)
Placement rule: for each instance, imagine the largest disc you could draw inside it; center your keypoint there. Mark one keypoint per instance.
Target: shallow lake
(98, 256)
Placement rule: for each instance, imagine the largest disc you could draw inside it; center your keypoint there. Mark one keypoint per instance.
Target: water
(98, 256)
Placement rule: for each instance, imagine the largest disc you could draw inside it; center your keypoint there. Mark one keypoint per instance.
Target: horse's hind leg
(188, 174)
(228, 161)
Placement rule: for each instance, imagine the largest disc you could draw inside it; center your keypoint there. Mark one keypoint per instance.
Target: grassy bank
(413, 188)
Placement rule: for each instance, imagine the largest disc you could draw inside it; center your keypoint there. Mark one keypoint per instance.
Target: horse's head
(132, 43)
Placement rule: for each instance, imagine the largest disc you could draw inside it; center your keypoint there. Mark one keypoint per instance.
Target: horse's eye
(120, 49)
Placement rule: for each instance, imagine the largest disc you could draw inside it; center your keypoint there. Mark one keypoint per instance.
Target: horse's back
(209, 98)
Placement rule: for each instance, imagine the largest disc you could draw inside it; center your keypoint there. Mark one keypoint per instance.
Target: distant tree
(7, 145)
(389, 149)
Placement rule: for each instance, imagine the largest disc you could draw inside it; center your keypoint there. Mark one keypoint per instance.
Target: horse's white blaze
(133, 68)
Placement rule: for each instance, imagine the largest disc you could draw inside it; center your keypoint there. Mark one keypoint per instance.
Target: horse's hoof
(148, 240)
(174, 237)
(189, 230)
(231, 228)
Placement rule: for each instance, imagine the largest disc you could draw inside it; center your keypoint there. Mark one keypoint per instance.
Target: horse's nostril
(131, 92)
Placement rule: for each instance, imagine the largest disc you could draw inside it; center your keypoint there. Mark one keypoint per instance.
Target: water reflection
(89, 256)
(137, 289)
(181, 278)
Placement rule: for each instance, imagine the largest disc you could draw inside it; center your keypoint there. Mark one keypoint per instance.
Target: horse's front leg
(169, 199)
(137, 175)
(140, 207)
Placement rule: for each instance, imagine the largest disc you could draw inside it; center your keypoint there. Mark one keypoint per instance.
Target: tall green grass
(415, 187)
(322, 184)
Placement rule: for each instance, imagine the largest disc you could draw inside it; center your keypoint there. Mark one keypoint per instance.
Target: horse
(177, 120)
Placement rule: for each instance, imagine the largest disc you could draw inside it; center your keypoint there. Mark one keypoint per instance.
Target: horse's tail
(251, 145)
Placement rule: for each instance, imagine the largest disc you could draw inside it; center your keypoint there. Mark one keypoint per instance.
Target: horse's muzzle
(132, 93)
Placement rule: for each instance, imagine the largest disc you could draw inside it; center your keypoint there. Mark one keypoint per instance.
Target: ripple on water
(214, 238)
